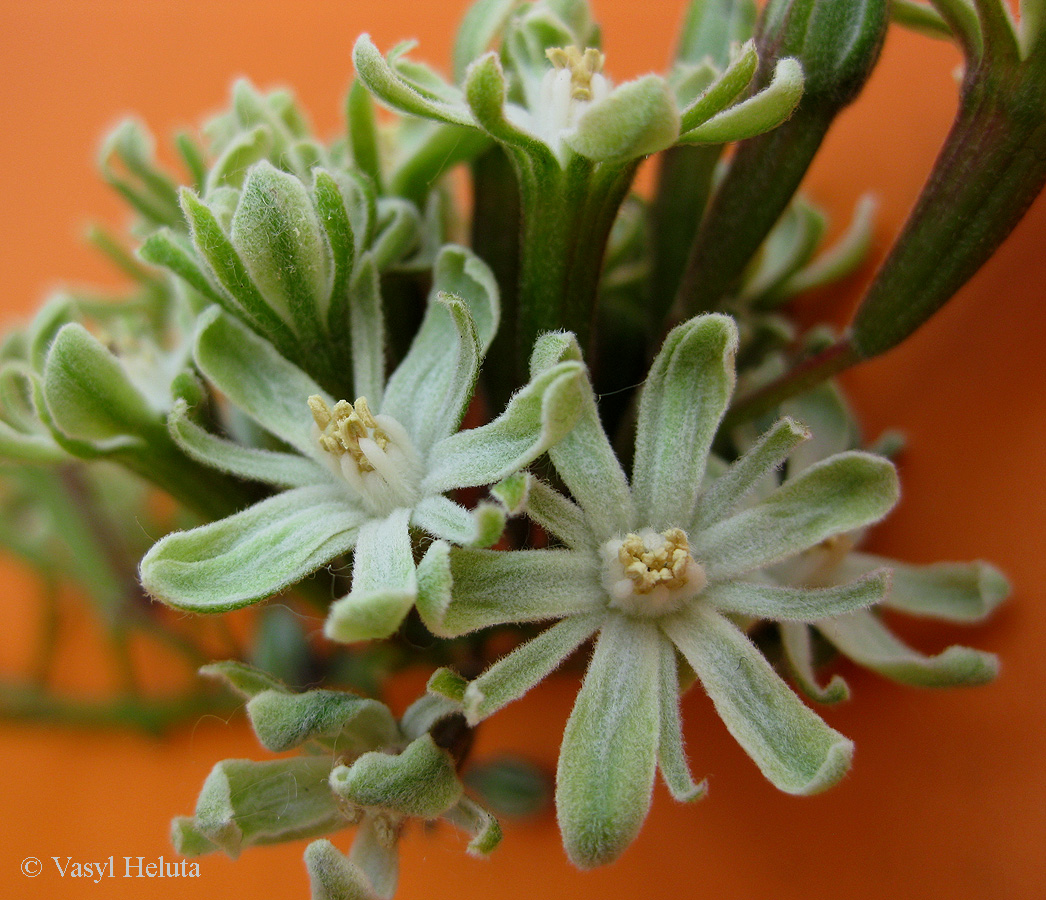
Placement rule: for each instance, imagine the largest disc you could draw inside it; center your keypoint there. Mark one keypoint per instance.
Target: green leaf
(537, 416)
(464, 590)
(376, 856)
(791, 745)
(363, 132)
(762, 112)
(837, 495)
(88, 393)
(712, 26)
(559, 516)
(245, 803)
(421, 781)
(277, 234)
(513, 675)
(862, 637)
(367, 332)
(919, 17)
(230, 168)
(253, 554)
(682, 401)
(609, 753)
(384, 584)
(443, 518)
(770, 601)
(636, 119)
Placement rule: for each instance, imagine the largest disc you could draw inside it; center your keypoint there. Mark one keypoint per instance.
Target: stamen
(650, 574)
(582, 65)
(342, 427)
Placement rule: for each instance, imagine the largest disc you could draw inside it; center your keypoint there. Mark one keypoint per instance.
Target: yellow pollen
(649, 568)
(582, 64)
(342, 427)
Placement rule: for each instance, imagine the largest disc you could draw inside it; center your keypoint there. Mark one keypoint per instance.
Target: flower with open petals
(364, 473)
(661, 565)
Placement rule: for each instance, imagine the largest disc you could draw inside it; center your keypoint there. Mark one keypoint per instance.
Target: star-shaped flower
(663, 565)
(360, 480)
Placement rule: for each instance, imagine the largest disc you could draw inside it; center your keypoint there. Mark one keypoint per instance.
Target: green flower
(358, 767)
(955, 592)
(360, 480)
(657, 568)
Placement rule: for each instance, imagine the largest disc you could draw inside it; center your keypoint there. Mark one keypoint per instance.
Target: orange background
(946, 795)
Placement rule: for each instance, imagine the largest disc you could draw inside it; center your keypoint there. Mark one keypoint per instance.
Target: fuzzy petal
(863, 637)
(250, 556)
(791, 745)
(464, 590)
(685, 396)
(384, 583)
(609, 753)
(837, 495)
(771, 601)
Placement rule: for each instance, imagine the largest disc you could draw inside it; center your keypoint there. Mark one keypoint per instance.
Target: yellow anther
(649, 567)
(342, 427)
(582, 65)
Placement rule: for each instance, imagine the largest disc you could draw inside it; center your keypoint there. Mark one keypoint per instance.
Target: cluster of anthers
(582, 66)
(342, 427)
(650, 573)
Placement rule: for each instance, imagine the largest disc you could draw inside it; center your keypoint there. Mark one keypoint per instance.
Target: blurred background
(946, 794)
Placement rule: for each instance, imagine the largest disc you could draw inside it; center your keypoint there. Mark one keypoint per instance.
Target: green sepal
(471, 818)
(246, 680)
(349, 724)
(245, 803)
(723, 91)
(332, 876)
(421, 781)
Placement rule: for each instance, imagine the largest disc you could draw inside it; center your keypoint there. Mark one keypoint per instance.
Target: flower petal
(251, 555)
(271, 390)
(791, 745)
(837, 495)
(727, 492)
(771, 601)
(799, 654)
(384, 582)
(431, 389)
(671, 757)
(537, 416)
(513, 675)
(256, 464)
(955, 592)
(464, 590)
(609, 753)
(584, 458)
(684, 398)
(443, 518)
(863, 637)
(636, 119)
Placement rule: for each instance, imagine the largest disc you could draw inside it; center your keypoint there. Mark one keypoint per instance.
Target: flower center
(651, 574)
(582, 66)
(373, 454)
(572, 85)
